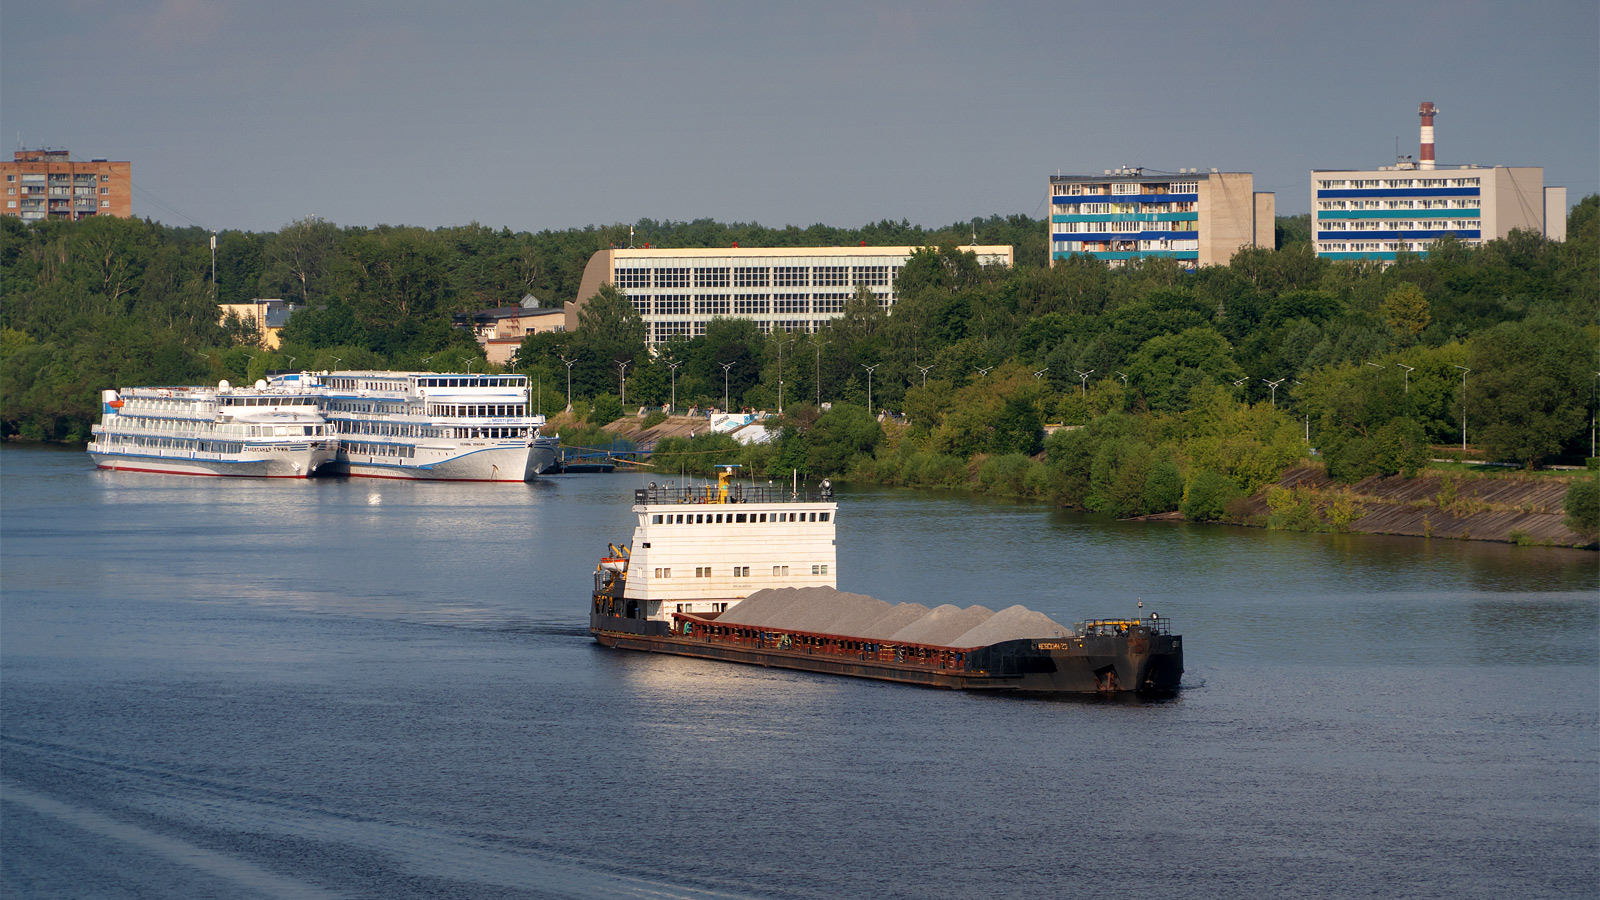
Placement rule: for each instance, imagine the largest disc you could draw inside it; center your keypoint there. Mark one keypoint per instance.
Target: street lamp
(924, 371)
(673, 366)
(1124, 379)
(1409, 370)
(780, 374)
(1083, 378)
(1274, 385)
(569, 363)
(336, 361)
(869, 383)
(725, 367)
(1040, 373)
(1464, 371)
(983, 370)
(819, 372)
(1375, 365)
(622, 368)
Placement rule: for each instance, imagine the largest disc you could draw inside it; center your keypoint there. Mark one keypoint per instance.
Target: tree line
(1227, 371)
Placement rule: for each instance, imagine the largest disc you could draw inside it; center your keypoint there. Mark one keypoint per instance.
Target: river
(353, 688)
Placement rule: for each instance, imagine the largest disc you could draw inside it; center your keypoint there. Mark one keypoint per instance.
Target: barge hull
(1094, 666)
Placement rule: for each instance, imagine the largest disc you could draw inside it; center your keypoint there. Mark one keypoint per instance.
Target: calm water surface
(355, 688)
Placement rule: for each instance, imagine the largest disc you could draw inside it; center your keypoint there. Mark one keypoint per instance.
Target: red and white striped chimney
(1426, 111)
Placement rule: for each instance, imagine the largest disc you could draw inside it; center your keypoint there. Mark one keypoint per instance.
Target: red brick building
(50, 184)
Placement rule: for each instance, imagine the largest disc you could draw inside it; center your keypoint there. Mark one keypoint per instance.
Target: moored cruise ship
(261, 432)
(427, 425)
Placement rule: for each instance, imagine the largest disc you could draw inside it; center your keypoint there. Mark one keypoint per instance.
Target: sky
(240, 114)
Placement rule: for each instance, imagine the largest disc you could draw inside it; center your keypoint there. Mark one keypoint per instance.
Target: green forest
(1187, 387)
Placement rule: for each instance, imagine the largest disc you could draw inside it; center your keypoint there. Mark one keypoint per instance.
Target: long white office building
(677, 292)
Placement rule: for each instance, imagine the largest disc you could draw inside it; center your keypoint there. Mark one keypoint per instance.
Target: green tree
(1528, 387)
(1405, 309)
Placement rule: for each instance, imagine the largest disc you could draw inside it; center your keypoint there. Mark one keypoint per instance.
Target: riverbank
(1510, 507)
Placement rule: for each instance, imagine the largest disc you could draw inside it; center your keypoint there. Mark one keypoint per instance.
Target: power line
(146, 197)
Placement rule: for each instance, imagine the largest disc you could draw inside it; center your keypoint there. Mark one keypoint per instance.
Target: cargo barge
(747, 574)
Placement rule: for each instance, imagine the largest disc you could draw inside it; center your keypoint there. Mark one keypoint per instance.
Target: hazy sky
(247, 114)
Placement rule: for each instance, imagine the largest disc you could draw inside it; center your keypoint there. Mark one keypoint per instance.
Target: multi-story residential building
(1198, 218)
(50, 184)
(1377, 213)
(678, 292)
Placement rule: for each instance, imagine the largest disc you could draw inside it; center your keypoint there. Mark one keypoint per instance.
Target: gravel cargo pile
(942, 624)
(895, 618)
(1011, 624)
(823, 610)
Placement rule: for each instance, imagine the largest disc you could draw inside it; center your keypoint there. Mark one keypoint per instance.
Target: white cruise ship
(260, 432)
(427, 425)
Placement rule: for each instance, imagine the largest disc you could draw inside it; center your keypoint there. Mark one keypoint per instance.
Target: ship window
(824, 569)
(655, 520)
(763, 517)
(824, 517)
(719, 518)
(816, 570)
(739, 518)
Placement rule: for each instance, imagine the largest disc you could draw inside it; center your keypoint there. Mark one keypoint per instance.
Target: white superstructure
(702, 549)
(262, 432)
(427, 425)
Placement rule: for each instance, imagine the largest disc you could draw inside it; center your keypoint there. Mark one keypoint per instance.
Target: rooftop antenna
(630, 227)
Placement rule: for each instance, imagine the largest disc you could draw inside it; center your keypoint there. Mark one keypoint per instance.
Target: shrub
(655, 418)
(1006, 475)
(1209, 496)
(1582, 505)
(605, 409)
(1163, 488)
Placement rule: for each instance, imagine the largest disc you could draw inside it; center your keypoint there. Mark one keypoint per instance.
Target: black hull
(1139, 662)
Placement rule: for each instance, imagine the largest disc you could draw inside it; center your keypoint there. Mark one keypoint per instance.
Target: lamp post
(1409, 370)
(1040, 373)
(673, 366)
(924, 371)
(819, 372)
(1464, 371)
(1124, 379)
(1083, 379)
(569, 363)
(1274, 386)
(780, 374)
(725, 367)
(983, 370)
(869, 384)
(336, 361)
(622, 369)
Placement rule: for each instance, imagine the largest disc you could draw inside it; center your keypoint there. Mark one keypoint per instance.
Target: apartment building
(677, 292)
(43, 184)
(1378, 213)
(1197, 218)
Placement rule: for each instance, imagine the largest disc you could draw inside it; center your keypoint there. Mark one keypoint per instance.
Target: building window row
(1396, 224)
(714, 305)
(1394, 183)
(711, 277)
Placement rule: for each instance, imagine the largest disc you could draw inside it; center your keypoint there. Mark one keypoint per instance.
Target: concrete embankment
(1509, 507)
